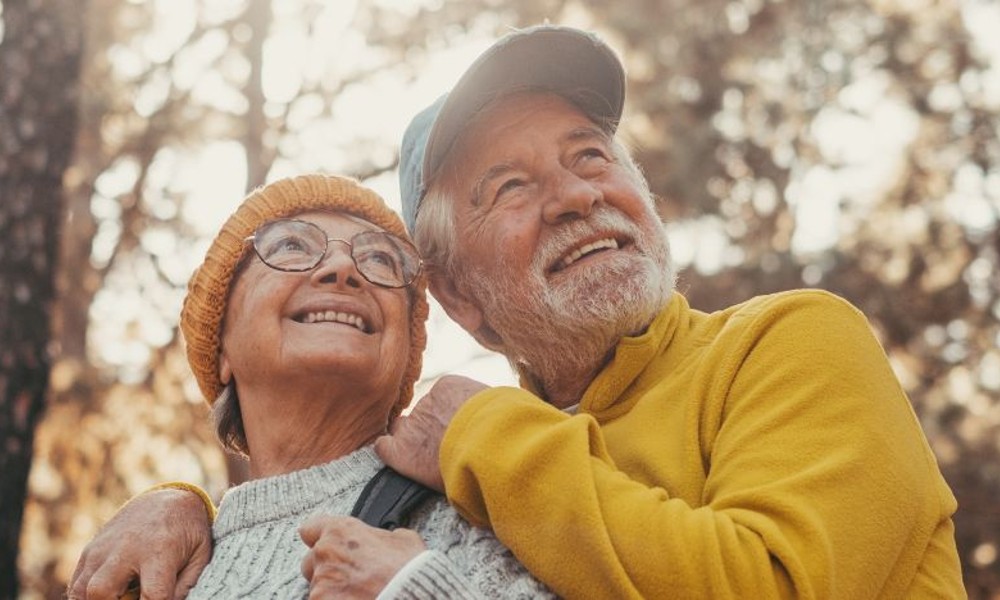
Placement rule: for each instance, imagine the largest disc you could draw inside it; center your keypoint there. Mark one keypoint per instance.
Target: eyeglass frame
(350, 251)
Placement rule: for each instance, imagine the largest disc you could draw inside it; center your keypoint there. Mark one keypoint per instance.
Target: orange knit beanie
(208, 290)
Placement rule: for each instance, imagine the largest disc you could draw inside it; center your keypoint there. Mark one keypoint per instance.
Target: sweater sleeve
(188, 487)
(464, 563)
(427, 576)
(817, 480)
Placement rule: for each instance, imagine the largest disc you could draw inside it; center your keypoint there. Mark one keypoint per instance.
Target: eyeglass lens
(294, 245)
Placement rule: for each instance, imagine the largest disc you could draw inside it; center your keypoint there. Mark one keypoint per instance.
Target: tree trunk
(40, 61)
(259, 160)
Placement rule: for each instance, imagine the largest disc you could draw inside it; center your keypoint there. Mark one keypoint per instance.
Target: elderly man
(652, 450)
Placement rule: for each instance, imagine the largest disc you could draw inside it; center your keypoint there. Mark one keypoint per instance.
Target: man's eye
(509, 186)
(591, 153)
(591, 162)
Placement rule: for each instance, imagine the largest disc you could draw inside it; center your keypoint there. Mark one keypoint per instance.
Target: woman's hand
(349, 559)
(413, 446)
(162, 539)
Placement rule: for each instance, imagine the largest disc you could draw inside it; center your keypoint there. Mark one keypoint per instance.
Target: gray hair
(228, 420)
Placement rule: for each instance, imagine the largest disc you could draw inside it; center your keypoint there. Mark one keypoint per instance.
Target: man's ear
(462, 309)
(225, 371)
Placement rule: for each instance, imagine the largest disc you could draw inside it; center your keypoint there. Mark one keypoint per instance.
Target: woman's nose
(337, 267)
(570, 197)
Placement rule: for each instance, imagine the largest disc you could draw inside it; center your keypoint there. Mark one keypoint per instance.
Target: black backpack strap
(389, 498)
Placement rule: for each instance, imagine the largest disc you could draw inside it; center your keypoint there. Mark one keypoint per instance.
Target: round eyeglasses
(296, 246)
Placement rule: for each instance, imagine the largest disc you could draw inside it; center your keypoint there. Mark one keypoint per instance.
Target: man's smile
(585, 250)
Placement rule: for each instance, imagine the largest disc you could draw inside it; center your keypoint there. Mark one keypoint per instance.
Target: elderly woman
(305, 328)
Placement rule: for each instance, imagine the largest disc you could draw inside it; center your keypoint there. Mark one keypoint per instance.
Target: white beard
(563, 332)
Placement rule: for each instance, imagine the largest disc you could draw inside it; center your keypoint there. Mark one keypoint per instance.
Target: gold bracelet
(190, 487)
(133, 592)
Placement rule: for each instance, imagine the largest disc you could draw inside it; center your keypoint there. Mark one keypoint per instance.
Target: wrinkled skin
(413, 446)
(166, 559)
(349, 559)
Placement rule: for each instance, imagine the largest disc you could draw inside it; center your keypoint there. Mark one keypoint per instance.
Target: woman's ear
(225, 371)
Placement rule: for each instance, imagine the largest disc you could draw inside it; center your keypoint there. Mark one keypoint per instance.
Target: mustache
(603, 222)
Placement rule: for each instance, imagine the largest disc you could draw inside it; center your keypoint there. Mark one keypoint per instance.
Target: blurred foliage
(848, 145)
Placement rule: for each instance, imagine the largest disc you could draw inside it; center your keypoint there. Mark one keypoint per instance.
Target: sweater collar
(295, 493)
(632, 355)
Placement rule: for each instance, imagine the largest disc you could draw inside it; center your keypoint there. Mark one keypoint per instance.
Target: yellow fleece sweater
(763, 451)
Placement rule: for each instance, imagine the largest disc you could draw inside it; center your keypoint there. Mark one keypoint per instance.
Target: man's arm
(414, 446)
(813, 477)
(161, 538)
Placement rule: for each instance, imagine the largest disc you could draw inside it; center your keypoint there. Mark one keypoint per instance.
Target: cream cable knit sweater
(258, 553)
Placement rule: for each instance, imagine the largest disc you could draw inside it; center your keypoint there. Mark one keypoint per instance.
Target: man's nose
(570, 197)
(337, 267)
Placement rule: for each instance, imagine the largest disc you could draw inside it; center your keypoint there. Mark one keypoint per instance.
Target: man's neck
(564, 384)
(562, 371)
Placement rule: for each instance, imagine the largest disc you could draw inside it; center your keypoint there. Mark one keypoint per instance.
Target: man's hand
(413, 446)
(161, 538)
(349, 559)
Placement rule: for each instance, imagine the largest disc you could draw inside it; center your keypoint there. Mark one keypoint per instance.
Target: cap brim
(563, 60)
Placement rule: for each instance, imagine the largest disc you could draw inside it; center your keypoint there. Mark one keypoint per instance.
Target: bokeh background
(849, 145)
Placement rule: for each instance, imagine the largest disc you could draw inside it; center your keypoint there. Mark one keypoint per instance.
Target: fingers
(114, 580)
(189, 574)
(312, 528)
(316, 526)
(308, 565)
(385, 447)
(106, 582)
(312, 531)
(413, 449)
(392, 450)
(77, 589)
(349, 559)
(156, 582)
(138, 543)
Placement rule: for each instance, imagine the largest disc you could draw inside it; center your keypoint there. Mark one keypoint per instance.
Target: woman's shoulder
(442, 527)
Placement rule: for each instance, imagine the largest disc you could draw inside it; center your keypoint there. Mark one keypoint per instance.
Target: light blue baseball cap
(564, 60)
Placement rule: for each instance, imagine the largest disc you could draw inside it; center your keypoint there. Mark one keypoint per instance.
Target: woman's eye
(382, 258)
(374, 255)
(287, 245)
